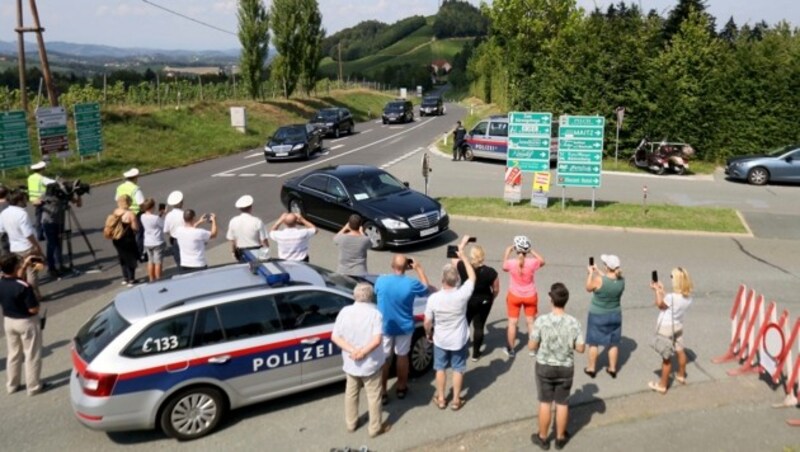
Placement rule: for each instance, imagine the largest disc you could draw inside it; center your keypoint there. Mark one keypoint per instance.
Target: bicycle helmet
(522, 244)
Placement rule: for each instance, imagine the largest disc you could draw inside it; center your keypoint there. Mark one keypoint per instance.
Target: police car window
(498, 129)
(310, 308)
(316, 182)
(164, 336)
(479, 129)
(207, 330)
(249, 318)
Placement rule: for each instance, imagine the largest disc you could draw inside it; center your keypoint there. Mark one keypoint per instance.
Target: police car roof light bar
(272, 273)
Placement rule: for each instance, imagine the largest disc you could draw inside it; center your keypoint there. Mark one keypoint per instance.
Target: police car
(489, 139)
(177, 354)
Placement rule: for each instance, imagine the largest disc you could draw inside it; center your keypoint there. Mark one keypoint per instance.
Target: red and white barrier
(762, 342)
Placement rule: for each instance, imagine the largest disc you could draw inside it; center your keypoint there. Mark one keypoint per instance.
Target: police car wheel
(420, 356)
(468, 154)
(192, 413)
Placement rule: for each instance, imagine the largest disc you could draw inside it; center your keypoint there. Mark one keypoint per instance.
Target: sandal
(440, 403)
(590, 373)
(401, 393)
(613, 373)
(655, 387)
(457, 404)
(681, 380)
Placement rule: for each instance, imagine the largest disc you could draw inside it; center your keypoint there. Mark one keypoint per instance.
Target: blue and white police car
(177, 354)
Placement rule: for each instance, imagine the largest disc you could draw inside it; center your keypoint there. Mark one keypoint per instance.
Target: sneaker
(124, 282)
(475, 357)
(43, 387)
(509, 352)
(560, 443)
(544, 444)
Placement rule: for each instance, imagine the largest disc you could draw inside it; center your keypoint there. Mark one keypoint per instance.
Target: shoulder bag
(663, 345)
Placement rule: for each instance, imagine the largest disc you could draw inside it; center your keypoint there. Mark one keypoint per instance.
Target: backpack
(114, 228)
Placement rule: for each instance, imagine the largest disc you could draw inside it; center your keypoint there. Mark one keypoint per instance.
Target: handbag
(663, 345)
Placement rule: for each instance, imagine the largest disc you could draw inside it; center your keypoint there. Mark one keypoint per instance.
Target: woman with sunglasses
(672, 309)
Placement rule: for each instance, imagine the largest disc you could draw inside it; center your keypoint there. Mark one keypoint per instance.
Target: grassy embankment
(150, 138)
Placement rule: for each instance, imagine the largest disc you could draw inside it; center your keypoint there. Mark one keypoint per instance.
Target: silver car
(177, 354)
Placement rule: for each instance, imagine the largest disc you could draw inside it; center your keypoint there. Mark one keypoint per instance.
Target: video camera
(67, 190)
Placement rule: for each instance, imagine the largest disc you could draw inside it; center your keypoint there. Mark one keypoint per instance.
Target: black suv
(431, 105)
(398, 111)
(333, 121)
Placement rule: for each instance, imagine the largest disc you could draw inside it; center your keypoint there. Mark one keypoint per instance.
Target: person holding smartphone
(604, 327)
(672, 309)
(192, 240)
(154, 245)
(522, 294)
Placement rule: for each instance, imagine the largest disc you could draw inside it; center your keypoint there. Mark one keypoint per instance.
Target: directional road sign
(15, 148)
(89, 130)
(51, 123)
(580, 151)
(529, 140)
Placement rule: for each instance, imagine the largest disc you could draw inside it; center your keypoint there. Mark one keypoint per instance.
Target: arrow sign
(584, 121)
(580, 132)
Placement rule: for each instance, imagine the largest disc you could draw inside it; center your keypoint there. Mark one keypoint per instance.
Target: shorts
(554, 383)
(454, 359)
(155, 254)
(666, 331)
(516, 303)
(401, 344)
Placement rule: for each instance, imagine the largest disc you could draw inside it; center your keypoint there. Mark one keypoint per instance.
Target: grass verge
(660, 216)
(150, 138)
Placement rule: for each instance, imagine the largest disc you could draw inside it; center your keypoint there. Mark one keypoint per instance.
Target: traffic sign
(88, 128)
(15, 148)
(52, 125)
(529, 140)
(580, 151)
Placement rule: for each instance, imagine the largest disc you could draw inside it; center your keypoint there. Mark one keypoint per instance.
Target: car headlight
(394, 224)
(442, 213)
(267, 149)
(297, 147)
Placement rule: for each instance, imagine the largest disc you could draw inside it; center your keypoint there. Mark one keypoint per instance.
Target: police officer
(131, 188)
(37, 186)
(459, 134)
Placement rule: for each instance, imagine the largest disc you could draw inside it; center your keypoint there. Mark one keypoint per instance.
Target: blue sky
(133, 23)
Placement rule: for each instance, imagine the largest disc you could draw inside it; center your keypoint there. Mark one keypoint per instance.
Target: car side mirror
(406, 184)
(789, 159)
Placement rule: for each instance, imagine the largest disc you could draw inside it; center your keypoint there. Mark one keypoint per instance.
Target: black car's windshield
(98, 332)
(430, 101)
(290, 134)
(373, 185)
(781, 150)
(336, 280)
(394, 107)
(326, 115)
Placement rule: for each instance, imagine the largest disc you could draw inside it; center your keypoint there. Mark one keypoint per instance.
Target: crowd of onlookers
(381, 322)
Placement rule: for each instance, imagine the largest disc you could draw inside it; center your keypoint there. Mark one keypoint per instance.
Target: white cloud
(224, 6)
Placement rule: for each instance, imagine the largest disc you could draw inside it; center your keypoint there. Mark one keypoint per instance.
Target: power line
(205, 24)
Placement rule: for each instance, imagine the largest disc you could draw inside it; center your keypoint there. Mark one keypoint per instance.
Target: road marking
(395, 141)
(224, 173)
(401, 158)
(247, 175)
(259, 154)
(337, 140)
(305, 167)
(337, 147)
(366, 131)
(269, 175)
(378, 122)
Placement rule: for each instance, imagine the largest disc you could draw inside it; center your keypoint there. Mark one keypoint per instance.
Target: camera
(452, 251)
(67, 190)
(409, 263)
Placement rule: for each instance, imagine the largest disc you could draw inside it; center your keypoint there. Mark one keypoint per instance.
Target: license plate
(429, 231)
(281, 154)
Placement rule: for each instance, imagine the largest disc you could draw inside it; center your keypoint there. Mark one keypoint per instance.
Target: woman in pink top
(521, 286)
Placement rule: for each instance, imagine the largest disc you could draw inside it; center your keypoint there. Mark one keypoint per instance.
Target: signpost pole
(593, 192)
(616, 150)
(563, 198)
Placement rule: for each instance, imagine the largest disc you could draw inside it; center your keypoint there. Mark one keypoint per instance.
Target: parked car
(398, 111)
(778, 165)
(293, 141)
(489, 139)
(393, 214)
(431, 105)
(177, 354)
(333, 121)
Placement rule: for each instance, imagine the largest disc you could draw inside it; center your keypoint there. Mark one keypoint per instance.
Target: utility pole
(340, 64)
(21, 58)
(37, 28)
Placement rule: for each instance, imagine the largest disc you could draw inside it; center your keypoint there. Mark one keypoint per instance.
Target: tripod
(66, 235)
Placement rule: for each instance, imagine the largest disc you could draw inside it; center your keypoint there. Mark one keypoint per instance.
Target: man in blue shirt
(396, 293)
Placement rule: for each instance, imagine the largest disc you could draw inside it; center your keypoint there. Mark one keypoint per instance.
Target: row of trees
(368, 37)
(726, 93)
(297, 35)
(459, 19)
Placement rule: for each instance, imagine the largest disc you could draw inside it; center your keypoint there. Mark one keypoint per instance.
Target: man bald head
(399, 263)
(290, 221)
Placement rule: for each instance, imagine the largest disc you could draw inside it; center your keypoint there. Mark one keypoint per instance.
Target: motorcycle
(661, 157)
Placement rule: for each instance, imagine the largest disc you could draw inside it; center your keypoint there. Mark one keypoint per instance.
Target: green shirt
(557, 336)
(607, 298)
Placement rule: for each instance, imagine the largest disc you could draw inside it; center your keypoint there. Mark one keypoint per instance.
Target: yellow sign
(541, 182)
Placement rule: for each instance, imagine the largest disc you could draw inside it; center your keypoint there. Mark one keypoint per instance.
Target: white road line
(269, 175)
(366, 131)
(337, 147)
(337, 140)
(222, 174)
(305, 167)
(259, 154)
(378, 121)
(395, 141)
(401, 158)
(247, 175)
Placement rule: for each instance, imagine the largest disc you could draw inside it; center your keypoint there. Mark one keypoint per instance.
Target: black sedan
(293, 141)
(393, 214)
(334, 121)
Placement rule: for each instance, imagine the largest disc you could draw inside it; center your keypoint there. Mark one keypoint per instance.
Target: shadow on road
(587, 405)
(626, 348)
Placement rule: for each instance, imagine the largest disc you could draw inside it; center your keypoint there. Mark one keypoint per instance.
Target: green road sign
(580, 132)
(88, 128)
(580, 156)
(52, 131)
(529, 130)
(12, 125)
(87, 108)
(14, 145)
(523, 117)
(529, 165)
(582, 121)
(15, 148)
(16, 115)
(87, 117)
(529, 143)
(88, 133)
(578, 168)
(534, 154)
(578, 181)
(581, 144)
(14, 135)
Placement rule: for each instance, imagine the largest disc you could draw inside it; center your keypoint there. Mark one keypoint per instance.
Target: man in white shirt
(446, 324)
(245, 231)
(192, 240)
(357, 332)
(15, 222)
(172, 222)
(293, 239)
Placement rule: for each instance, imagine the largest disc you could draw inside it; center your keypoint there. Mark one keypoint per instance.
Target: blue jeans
(55, 257)
(454, 359)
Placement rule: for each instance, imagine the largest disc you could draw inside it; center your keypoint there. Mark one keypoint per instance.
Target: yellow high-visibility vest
(129, 188)
(36, 187)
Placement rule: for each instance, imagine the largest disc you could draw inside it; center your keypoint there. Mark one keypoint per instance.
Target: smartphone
(452, 252)
(162, 206)
(206, 217)
(409, 263)
(472, 240)
(591, 260)
(655, 276)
